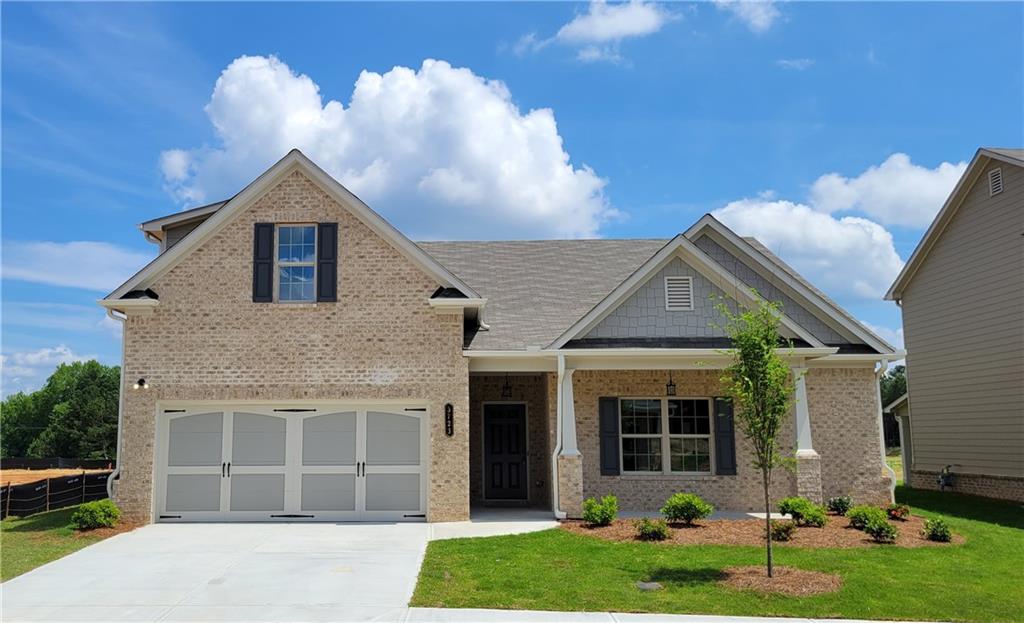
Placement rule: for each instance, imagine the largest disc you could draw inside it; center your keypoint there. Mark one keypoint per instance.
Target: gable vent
(995, 182)
(678, 293)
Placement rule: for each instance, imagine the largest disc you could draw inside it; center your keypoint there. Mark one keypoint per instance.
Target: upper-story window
(296, 263)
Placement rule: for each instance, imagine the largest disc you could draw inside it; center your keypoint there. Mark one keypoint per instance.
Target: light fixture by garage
(506, 389)
(140, 384)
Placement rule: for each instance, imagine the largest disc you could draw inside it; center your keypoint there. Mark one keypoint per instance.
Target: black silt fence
(54, 463)
(51, 494)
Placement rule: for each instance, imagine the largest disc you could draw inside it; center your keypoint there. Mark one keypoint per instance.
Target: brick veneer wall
(844, 429)
(999, 487)
(531, 389)
(207, 340)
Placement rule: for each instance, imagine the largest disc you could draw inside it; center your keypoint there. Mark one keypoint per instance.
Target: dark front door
(505, 452)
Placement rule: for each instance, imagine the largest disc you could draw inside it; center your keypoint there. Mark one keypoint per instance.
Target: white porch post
(568, 414)
(808, 463)
(568, 463)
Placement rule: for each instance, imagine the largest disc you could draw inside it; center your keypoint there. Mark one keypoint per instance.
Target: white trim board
(685, 250)
(294, 160)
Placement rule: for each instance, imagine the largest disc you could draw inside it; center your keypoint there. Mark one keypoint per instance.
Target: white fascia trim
(942, 219)
(682, 247)
(291, 162)
(157, 225)
(130, 307)
(620, 358)
(895, 403)
(855, 328)
(475, 303)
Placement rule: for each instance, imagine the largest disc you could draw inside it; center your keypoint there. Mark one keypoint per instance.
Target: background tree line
(74, 415)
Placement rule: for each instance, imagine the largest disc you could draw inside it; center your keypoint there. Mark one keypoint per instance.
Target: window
(679, 293)
(653, 428)
(296, 263)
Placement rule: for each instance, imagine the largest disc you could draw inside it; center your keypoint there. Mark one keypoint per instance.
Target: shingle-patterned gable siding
(769, 291)
(963, 319)
(643, 314)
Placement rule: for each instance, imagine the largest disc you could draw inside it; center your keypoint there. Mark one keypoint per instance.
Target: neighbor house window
(296, 263)
(654, 428)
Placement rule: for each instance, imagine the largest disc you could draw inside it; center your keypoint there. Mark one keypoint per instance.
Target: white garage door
(288, 463)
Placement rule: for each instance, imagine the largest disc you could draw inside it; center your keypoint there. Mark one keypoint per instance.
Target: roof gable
(982, 158)
(293, 161)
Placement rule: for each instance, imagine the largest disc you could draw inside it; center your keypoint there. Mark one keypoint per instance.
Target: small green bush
(881, 530)
(782, 530)
(600, 513)
(686, 508)
(803, 511)
(651, 529)
(98, 514)
(840, 504)
(936, 530)
(898, 511)
(859, 516)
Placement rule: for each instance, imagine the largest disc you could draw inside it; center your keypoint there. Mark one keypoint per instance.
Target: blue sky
(832, 131)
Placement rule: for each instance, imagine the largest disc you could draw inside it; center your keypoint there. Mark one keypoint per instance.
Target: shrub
(840, 504)
(936, 530)
(651, 529)
(881, 530)
(98, 514)
(686, 508)
(898, 511)
(803, 511)
(782, 530)
(600, 513)
(859, 516)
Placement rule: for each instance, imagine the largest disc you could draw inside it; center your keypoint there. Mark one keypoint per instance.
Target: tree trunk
(765, 479)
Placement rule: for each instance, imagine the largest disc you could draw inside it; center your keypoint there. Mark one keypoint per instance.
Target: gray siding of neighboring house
(765, 288)
(643, 314)
(963, 318)
(173, 235)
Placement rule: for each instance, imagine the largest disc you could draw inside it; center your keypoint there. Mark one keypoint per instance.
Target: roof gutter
(883, 367)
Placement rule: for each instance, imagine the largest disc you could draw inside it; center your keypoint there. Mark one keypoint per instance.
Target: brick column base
(808, 476)
(570, 485)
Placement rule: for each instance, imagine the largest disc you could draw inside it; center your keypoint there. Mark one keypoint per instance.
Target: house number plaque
(449, 420)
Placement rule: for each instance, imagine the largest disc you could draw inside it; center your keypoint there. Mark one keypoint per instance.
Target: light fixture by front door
(670, 387)
(506, 389)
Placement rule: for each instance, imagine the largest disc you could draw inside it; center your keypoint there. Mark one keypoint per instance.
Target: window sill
(671, 477)
(284, 305)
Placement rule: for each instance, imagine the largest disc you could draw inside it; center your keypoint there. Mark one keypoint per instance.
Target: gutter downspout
(114, 475)
(883, 367)
(559, 513)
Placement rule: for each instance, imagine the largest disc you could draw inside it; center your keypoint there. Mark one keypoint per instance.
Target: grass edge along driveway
(979, 580)
(29, 542)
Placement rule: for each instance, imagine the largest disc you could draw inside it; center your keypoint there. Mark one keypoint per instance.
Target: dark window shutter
(725, 438)
(263, 263)
(609, 416)
(327, 262)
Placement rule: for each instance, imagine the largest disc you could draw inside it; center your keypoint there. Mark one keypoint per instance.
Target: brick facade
(999, 487)
(207, 340)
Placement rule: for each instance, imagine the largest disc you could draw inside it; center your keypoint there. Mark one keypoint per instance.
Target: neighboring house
(962, 296)
(290, 355)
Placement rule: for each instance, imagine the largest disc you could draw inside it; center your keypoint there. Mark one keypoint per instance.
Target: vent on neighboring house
(995, 182)
(678, 293)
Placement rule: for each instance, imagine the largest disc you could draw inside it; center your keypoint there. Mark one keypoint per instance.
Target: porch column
(570, 462)
(808, 463)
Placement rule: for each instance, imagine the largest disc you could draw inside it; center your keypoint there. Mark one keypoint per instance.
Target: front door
(505, 475)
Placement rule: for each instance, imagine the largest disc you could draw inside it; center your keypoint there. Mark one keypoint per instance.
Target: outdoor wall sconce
(670, 387)
(140, 384)
(449, 420)
(506, 389)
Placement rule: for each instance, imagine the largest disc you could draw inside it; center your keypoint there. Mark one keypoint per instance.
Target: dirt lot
(21, 476)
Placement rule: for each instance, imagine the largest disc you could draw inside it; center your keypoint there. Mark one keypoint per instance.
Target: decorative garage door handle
(222, 465)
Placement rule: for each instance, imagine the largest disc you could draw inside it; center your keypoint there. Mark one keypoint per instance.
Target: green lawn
(980, 580)
(896, 464)
(27, 543)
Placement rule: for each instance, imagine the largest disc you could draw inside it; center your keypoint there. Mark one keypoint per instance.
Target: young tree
(761, 387)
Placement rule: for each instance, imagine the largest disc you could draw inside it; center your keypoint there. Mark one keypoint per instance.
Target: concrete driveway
(229, 572)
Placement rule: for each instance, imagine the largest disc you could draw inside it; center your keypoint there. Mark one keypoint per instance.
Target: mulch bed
(784, 580)
(103, 533)
(836, 533)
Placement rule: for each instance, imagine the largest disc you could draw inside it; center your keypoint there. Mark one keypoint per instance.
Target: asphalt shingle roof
(536, 289)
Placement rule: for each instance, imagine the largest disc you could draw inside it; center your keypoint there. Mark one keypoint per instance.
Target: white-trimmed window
(296, 263)
(651, 429)
(678, 293)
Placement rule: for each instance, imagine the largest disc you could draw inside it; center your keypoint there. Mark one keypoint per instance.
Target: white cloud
(796, 64)
(80, 264)
(848, 256)
(175, 164)
(439, 151)
(26, 370)
(606, 23)
(595, 53)
(758, 15)
(60, 316)
(896, 192)
(893, 336)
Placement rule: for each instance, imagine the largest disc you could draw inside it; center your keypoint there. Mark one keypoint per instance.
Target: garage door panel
(258, 440)
(196, 440)
(193, 492)
(392, 439)
(257, 492)
(329, 439)
(392, 492)
(328, 492)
